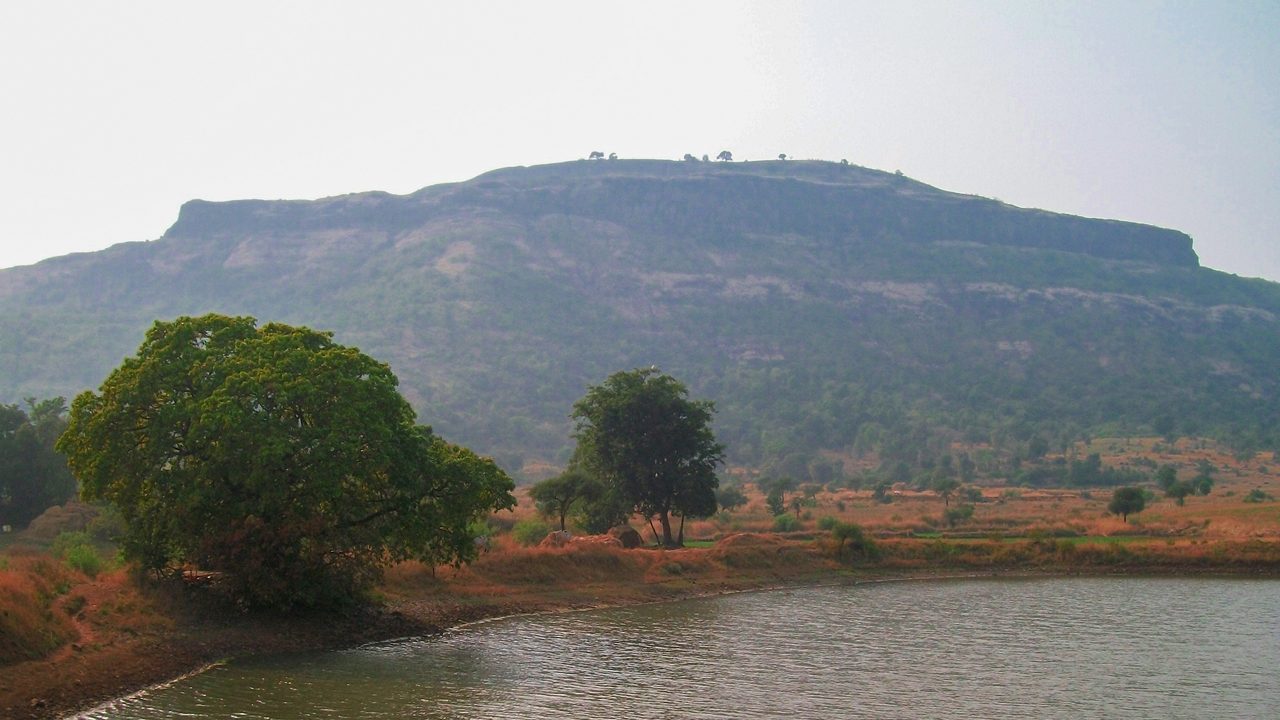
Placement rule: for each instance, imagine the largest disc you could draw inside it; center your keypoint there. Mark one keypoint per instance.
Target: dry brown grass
(30, 624)
(1006, 511)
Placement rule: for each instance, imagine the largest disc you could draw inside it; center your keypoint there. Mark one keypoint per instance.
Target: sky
(114, 114)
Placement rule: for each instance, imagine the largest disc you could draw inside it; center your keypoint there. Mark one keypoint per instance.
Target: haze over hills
(824, 307)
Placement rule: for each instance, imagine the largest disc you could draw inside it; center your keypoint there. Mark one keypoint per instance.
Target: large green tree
(33, 476)
(639, 431)
(277, 456)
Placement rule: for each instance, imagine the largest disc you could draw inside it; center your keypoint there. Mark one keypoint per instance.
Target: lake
(989, 648)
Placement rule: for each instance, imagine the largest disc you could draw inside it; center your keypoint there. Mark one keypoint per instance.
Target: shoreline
(71, 684)
(817, 583)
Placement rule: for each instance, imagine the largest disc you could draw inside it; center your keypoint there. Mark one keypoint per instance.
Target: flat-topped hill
(828, 309)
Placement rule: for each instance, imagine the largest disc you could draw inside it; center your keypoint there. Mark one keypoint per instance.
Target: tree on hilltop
(272, 454)
(640, 432)
(725, 156)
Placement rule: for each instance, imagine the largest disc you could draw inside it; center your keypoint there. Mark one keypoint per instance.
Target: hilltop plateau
(831, 311)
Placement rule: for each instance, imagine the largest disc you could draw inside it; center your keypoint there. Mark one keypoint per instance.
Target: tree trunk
(563, 511)
(680, 536)
(667, 540)
(656, 540)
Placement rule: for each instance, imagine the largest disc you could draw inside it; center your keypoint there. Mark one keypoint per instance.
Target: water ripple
(1061, 648)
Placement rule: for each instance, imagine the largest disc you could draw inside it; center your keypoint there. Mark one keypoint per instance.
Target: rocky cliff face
(815, 302)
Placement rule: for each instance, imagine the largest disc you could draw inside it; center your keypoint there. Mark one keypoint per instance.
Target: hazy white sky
(116, 113)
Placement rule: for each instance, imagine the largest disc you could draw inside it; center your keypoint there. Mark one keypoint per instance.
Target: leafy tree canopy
(277, 456)
(33, 476)
(558, 496)
(640, 432)
(1125, 501)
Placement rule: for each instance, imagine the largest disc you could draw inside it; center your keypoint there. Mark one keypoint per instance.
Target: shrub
(1257, 495)
(776, 502)
(530, 532)
(785, 523)
(67, 540)
(827, 523)
(85, 559)
(854, 541)
(730, 497)
(957, 514)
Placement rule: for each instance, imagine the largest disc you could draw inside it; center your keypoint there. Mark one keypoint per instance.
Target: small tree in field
(730, 497)
(1125, 501)
(946, 487)
(557, 496)
(1179, 491)
(776, 501)
(640, 433)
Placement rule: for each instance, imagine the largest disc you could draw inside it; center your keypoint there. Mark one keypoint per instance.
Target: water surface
(1042, 648)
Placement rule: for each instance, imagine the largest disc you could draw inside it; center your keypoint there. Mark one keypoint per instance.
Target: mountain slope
(822, 306)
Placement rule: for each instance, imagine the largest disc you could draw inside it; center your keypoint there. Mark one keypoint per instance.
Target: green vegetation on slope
(824, 307)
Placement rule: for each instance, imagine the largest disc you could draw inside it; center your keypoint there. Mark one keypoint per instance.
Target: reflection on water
(1060, 648)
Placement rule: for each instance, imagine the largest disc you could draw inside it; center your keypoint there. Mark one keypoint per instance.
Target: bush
(957, 514)
(85, 559)
(776, 501)
(68, 540)
(854, 541)
(730, 497)
(785, 523)
(827, 523)
(530, 532)
(1257, 495)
